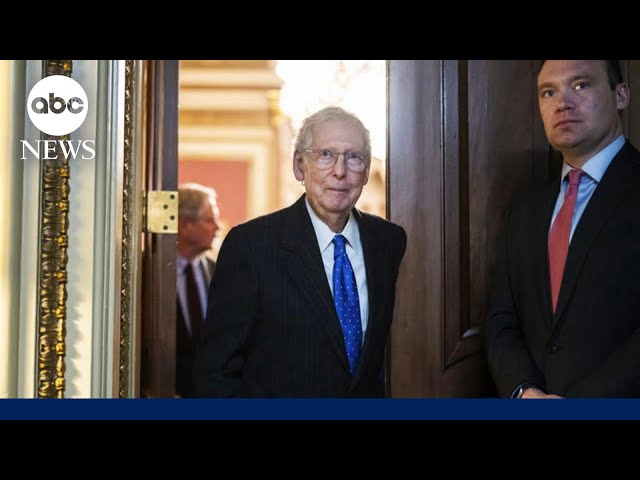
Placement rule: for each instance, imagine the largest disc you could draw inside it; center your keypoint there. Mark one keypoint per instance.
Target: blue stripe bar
(319, 409)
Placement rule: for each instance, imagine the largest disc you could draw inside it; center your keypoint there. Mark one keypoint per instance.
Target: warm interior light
(356, 85)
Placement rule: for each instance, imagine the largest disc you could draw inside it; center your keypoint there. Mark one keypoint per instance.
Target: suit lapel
(373, 260)
(208, 266)
(304, 264)
(616, 183)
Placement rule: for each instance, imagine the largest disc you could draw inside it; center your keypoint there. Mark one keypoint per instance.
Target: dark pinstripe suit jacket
(271, 327)
(590, 347)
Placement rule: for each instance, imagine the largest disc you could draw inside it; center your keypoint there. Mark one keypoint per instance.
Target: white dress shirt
(324, 235)
(594, 169)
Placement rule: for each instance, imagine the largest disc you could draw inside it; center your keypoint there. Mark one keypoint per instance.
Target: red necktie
(559, 235)
(193, 304)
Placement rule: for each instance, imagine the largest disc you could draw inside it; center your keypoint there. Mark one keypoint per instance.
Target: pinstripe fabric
(272, 328)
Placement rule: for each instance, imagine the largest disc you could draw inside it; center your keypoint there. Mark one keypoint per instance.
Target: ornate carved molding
(127, 283)
(54, 225)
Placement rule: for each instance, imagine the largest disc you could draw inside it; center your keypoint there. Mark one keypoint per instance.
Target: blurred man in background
(198, 224)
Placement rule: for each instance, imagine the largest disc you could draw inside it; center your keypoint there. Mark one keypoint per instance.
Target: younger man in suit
(286, 319)
(564, 319)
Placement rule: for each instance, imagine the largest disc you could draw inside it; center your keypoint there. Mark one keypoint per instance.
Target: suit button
(552, 348)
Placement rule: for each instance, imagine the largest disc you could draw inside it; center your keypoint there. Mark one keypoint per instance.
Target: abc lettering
(74, 105)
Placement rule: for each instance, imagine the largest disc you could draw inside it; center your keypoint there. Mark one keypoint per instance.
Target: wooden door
(158, 310)
(464, 135)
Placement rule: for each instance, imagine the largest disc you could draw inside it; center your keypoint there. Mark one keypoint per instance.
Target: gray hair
(192, 197)
(304, 140)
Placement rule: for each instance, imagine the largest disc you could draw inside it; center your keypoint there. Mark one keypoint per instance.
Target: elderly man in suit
(302, 299)
(564, 319)
(198, 225)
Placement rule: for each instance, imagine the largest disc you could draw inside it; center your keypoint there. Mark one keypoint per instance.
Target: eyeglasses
(325, 159)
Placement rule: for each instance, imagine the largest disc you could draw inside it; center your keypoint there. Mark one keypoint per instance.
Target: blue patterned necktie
(345, 296)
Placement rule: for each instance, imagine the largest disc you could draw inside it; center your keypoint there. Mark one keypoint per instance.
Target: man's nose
(340, 168)
(565, 99)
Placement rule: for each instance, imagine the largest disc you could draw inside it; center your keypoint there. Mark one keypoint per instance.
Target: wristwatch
(517, 393)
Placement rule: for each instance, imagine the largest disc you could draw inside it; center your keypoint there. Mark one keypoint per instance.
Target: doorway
(236, 123)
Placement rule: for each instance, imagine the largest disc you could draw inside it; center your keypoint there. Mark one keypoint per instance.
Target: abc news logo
(55, 116)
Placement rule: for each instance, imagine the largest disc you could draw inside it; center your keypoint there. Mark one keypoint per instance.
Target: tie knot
(574, 176)
(339, 245)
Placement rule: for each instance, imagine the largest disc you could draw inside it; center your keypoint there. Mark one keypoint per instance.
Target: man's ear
(366, 174)
(623, 96)
(297, 166)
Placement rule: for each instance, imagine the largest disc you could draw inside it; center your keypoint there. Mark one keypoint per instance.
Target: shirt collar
(324, 233)
(598, 164)
(182, 262)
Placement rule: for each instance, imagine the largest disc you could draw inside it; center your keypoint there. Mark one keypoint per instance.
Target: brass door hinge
(161, 212)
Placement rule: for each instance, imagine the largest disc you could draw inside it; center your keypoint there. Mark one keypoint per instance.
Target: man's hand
(537, 393)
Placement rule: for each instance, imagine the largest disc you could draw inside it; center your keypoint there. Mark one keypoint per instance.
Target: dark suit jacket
(185, 348)
(591, 346)
(272, 328)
